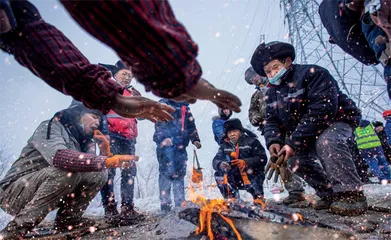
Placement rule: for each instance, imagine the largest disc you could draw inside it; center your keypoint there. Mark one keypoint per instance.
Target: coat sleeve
(218, 130)
(273, 131)
(257, 109)
(322, 106)
(258, 159)
(219, 158)
(191, 127)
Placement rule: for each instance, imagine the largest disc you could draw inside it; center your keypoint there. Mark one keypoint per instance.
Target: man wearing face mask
(308, 116)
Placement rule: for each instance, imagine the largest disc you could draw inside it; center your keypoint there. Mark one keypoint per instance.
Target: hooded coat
(63, 131)
(218, 125)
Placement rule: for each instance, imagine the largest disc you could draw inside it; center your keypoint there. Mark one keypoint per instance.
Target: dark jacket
(345, 31)
(306, 102)
(250, 150)
(181, 130)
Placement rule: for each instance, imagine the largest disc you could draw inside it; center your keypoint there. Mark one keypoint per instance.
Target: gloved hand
(256, 120)
(122, 161)
(197, 144)
(241, 164)
(225, 166)
(103, 143)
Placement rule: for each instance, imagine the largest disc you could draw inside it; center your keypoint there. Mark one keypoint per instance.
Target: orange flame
(208, 206)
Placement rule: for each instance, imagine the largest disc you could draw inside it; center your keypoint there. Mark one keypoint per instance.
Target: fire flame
(208, 207)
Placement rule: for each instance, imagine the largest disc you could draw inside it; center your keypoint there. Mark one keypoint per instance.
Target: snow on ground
(152, 204)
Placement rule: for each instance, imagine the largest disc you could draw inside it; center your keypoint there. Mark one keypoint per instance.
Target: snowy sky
(227, 32)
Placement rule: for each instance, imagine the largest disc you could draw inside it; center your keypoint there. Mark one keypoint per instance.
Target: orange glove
(103, 143)
(122, 161)
(239, 163)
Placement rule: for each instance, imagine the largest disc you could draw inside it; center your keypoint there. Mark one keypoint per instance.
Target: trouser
(337, 172)
(120, 145)
(178, 189)
(172, 171)
(377, 162)
(235, 183)
(33, 196)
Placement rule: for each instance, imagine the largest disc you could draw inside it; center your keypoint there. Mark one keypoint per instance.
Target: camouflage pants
(34, 195)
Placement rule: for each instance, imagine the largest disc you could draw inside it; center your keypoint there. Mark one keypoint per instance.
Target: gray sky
(227, 32)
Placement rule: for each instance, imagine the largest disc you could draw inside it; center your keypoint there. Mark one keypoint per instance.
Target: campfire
(208, 207)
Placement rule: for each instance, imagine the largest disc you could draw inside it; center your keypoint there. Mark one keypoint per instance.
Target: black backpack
(345, 31)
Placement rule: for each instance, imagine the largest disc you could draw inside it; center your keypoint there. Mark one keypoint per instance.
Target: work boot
(14, 232)
(165, 208)
(295, 200)
(323, 203)
(111, 213)
(129, 216)
(69, 224)
(350, 204)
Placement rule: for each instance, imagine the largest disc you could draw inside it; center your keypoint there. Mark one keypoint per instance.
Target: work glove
(197, 144)
(103, 143)
(255, 120)
(225, 166)
(122, 161)
(241, 164)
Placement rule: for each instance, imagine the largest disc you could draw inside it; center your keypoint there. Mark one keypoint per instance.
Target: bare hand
(287, 151)
(166, 143)
(225, 166)
(197, 144)
(141, 107)
(203, 90)
(5, 24)
(274, 149)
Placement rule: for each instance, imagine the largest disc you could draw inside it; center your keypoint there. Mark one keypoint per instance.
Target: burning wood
(208, 207)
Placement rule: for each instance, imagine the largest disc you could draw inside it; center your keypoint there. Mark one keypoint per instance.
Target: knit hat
(236, 124)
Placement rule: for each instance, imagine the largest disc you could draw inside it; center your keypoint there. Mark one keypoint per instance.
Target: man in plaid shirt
(156, 46)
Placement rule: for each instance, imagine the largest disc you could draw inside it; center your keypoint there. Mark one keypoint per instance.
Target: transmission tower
(364, 84)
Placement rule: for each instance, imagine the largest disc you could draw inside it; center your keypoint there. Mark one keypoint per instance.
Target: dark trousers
(172, 171)
(120, 145)
(235, 183)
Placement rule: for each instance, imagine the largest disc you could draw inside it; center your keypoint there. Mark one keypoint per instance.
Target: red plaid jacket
(145, 34)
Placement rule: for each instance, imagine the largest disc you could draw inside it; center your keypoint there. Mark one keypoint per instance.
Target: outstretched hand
(203, 90)
(141, 107)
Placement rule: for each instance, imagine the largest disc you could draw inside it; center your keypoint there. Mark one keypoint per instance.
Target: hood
(70, 119)
(364, 123)
(223, 116)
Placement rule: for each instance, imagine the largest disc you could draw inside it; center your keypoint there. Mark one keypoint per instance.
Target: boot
(69, 224)
(295, 200)
(129, 216)
(14, 232)
(166, 208)
(111, 213)
(350, 204)
(323, 203)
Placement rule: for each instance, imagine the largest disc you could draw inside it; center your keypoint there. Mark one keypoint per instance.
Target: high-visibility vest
(366, 137)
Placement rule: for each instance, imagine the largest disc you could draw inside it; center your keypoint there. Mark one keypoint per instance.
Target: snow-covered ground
(152, 204)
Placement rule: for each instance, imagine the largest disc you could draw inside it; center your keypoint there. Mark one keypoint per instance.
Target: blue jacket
(306, 102)
(387, 129)
(218, 129)
(181, 130)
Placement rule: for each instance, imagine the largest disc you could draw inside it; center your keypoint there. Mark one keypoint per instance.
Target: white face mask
(276, 79)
